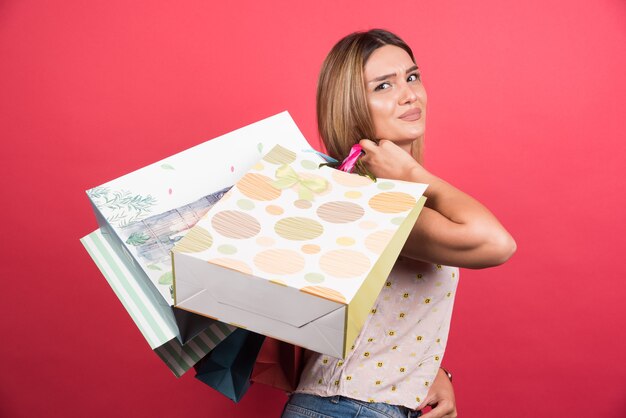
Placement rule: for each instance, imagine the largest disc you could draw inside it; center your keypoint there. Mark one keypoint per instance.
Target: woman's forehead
(388, 59)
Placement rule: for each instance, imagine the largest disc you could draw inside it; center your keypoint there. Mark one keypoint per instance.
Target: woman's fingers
(387, 160)
(440, 397)
(368, 148)
(367, 145)
(427, 401)
(443, 409)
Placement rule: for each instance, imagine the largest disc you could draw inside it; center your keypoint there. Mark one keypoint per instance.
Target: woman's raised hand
(453, 229)
(388, 160)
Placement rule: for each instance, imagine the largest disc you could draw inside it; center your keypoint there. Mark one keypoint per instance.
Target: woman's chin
(405, 144)
(404, 140)
(407, 135)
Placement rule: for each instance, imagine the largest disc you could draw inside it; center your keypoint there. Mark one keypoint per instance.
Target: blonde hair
(343, 117)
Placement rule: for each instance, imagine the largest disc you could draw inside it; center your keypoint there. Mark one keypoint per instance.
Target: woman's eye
(382, 86)
(413, 77)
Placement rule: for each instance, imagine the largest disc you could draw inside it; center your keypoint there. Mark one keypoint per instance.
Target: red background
(526, 104)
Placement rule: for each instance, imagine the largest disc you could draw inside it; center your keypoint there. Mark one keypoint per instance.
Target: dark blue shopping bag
(228, 367)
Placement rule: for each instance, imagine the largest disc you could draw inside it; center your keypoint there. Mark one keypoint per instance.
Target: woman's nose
(408, 95)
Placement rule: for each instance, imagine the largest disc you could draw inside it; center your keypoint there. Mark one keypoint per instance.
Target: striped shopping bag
(145, 311)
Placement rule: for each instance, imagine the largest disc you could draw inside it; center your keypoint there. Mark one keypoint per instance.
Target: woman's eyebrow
(386, 76)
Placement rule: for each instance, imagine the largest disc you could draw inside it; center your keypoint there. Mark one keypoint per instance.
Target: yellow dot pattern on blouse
(327, 244)
(400, 348)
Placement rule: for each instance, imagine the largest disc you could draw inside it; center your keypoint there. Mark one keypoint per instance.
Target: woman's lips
(411, 115)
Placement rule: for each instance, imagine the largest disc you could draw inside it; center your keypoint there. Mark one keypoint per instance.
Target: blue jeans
(301, 405)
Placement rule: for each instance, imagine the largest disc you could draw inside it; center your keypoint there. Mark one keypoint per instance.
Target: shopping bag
(139, 304)
(279, 364)
(296, 251)
(142, 214)
(227, 368)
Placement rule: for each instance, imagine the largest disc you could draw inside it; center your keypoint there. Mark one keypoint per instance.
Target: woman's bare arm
(454, 228)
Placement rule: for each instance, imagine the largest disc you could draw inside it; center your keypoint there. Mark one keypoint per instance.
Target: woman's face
(395, 96)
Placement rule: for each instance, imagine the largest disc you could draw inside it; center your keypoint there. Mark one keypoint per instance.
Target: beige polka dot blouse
(399, 350)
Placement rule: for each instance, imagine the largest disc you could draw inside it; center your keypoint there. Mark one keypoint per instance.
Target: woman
(370, 92)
